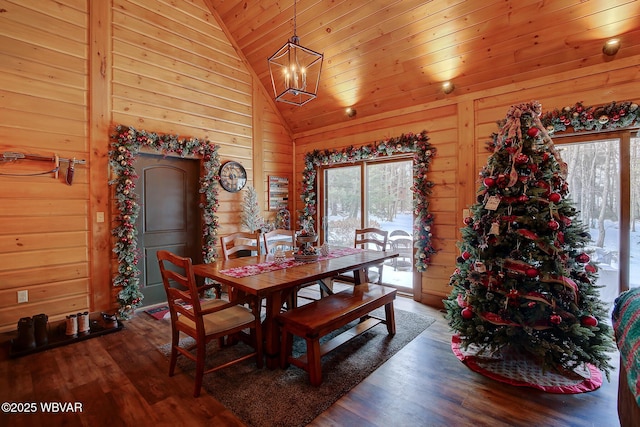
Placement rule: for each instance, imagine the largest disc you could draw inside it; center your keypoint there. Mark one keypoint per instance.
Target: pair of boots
(77, 324)
(32, 332)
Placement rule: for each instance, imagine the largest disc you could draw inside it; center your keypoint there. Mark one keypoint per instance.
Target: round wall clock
(233, 177)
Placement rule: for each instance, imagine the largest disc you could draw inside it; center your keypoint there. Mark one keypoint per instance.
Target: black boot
(41, 331)
(26, 339)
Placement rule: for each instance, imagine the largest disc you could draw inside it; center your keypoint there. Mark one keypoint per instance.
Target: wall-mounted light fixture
(611, 47)
(448, 87)
(351, 112)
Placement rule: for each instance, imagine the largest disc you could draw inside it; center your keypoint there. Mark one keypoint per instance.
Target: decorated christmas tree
(524, 281)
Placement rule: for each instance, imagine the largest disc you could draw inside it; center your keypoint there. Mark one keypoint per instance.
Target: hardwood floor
(121, 379)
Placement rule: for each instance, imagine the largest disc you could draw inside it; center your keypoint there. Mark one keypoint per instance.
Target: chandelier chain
(294, 18)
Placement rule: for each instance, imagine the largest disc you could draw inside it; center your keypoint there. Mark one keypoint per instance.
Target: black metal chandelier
(295, 71)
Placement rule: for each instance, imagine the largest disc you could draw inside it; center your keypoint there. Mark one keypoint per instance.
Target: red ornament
(468, 220)
(502, 180)
(533, 132)
(542, 184)
(531, 272)
(466, 255)
(523, 198)
(553, 224)
(555, 197)
(583, 258)
(589, 321)
(489, 182)
(565, 220)
(545, 157)
(521, 159)
(590, 268)
(555, 319)
(467, 313)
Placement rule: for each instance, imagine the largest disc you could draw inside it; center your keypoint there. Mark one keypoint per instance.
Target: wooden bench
(319, 318)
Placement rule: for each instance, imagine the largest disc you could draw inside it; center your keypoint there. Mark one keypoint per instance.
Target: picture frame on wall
(278, 193)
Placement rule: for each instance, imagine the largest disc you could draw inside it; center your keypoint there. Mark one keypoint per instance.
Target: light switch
(100, 216)
(23, 296)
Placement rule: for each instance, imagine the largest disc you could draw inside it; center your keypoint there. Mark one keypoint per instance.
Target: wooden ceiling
(383, 55)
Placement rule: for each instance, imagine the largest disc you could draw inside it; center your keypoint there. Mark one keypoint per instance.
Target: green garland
(605, 117)
(125, 147)
(410, 143)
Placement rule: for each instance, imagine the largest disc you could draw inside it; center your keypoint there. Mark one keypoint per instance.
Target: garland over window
(410, 143)
(125, 147)
(605, 117)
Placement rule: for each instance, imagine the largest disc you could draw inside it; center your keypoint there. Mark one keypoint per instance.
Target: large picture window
(372, 194)
(604, 181)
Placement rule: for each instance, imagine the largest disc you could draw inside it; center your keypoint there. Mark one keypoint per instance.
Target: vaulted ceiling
(384, 55)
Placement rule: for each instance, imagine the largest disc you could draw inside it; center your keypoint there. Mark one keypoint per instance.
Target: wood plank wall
(44, 227)
(72, 69)
(459, 128)
(442, 126)
(161, 66)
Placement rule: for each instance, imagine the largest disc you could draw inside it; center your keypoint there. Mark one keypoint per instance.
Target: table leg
(270, 328)
(360, 276)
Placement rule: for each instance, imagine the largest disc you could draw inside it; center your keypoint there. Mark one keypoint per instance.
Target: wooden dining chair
(204, 322)
(368, 238)
(241, 244)
(402, 242)
(287, 240)
(278, 237)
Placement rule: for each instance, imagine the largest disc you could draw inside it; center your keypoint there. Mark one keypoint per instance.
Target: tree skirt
(520, 369)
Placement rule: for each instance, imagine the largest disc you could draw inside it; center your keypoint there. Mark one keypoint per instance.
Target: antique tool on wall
(70, 171)
(12, 156)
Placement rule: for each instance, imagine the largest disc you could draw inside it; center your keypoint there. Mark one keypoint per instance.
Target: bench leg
(286, 344)
(390, 318)
(313, 361)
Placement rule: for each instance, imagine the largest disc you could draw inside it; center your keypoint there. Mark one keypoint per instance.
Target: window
(372, 194)
(604, 184)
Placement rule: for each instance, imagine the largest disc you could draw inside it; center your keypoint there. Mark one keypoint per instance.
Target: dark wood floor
(121, 379)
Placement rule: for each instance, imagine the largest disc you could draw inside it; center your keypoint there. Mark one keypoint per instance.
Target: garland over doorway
(125, 147)
(407, 143)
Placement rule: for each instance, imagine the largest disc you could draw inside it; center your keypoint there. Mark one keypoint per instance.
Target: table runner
(264, 267)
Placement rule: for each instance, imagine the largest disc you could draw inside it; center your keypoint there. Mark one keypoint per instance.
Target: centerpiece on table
(305, 251)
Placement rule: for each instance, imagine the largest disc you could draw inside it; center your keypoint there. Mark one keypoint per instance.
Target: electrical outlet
(23, 296)
(99, 216)
(466, 213)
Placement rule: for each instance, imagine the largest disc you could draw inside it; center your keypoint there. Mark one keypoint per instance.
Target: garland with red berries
(611, 116)
(407, 143)
(125, 147)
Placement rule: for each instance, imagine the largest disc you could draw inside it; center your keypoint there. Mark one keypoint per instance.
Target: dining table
(273, 282)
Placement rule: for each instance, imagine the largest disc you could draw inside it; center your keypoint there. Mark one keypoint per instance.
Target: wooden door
(169, 218)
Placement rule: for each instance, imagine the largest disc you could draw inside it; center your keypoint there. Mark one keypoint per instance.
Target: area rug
(520, 369)
(284, 398)
(161, 311)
